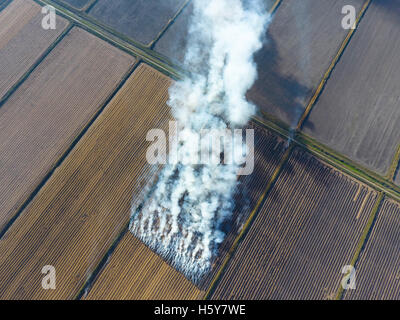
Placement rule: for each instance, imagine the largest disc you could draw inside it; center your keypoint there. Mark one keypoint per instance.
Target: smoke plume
(182, 216)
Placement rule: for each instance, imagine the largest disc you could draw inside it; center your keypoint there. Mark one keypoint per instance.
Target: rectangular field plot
(140, 20)
(85, 205)
(360, 118)
(305, 232)
(134, 272)
(378, 270)
(301, 42)
(126, 265)
(22, 40)
(44, 115)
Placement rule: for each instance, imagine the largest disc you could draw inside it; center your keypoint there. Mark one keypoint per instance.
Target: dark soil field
(300, 45)
(141, 20)
(358, 113)
(41, 119)
(302, 40)
(306, 231)
(85, 205)
(377, 272)
(22, 40)
(173, 42)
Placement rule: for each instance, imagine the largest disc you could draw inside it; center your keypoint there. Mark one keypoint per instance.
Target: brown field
(358, 113)
(377, 271)
(134, 272)
(85, 205)
(43, 116)
(22, 40)
(301, 43)
(307, 230)
(120, 278)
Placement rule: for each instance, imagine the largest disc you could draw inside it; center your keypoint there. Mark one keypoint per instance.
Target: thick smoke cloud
(182, 216)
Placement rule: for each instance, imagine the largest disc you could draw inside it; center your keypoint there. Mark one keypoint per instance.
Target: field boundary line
(332, 66)
(89, 6)
(394, 167)
(88, 285)
(66, 153)
(248, 223)
(169, 23)
(364, 238)
(37, 62)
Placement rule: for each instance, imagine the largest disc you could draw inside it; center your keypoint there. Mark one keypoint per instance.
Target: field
(377, 271)
(85, 205)
(359, 111)
(296, 55)
(140, 20)
(307, 230)
(41, 119)
(125, 265)
(22, 29)
(134, 272)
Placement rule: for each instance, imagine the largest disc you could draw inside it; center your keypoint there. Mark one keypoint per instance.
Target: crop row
(306, 232)
(22, 40)
(44, 115)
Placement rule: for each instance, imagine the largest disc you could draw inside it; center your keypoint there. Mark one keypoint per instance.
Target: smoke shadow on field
(273, 92)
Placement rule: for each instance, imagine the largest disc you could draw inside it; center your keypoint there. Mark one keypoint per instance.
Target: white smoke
(182, 217)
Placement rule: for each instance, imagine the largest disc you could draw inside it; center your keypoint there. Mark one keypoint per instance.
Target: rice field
(140, 20)
(128, 275)
(359, 111)
(74, 114)
(134, 272)
(378, 269)
(41, 119)
(22, 41)
(306, 231)
(301, 42)
(85, 205)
